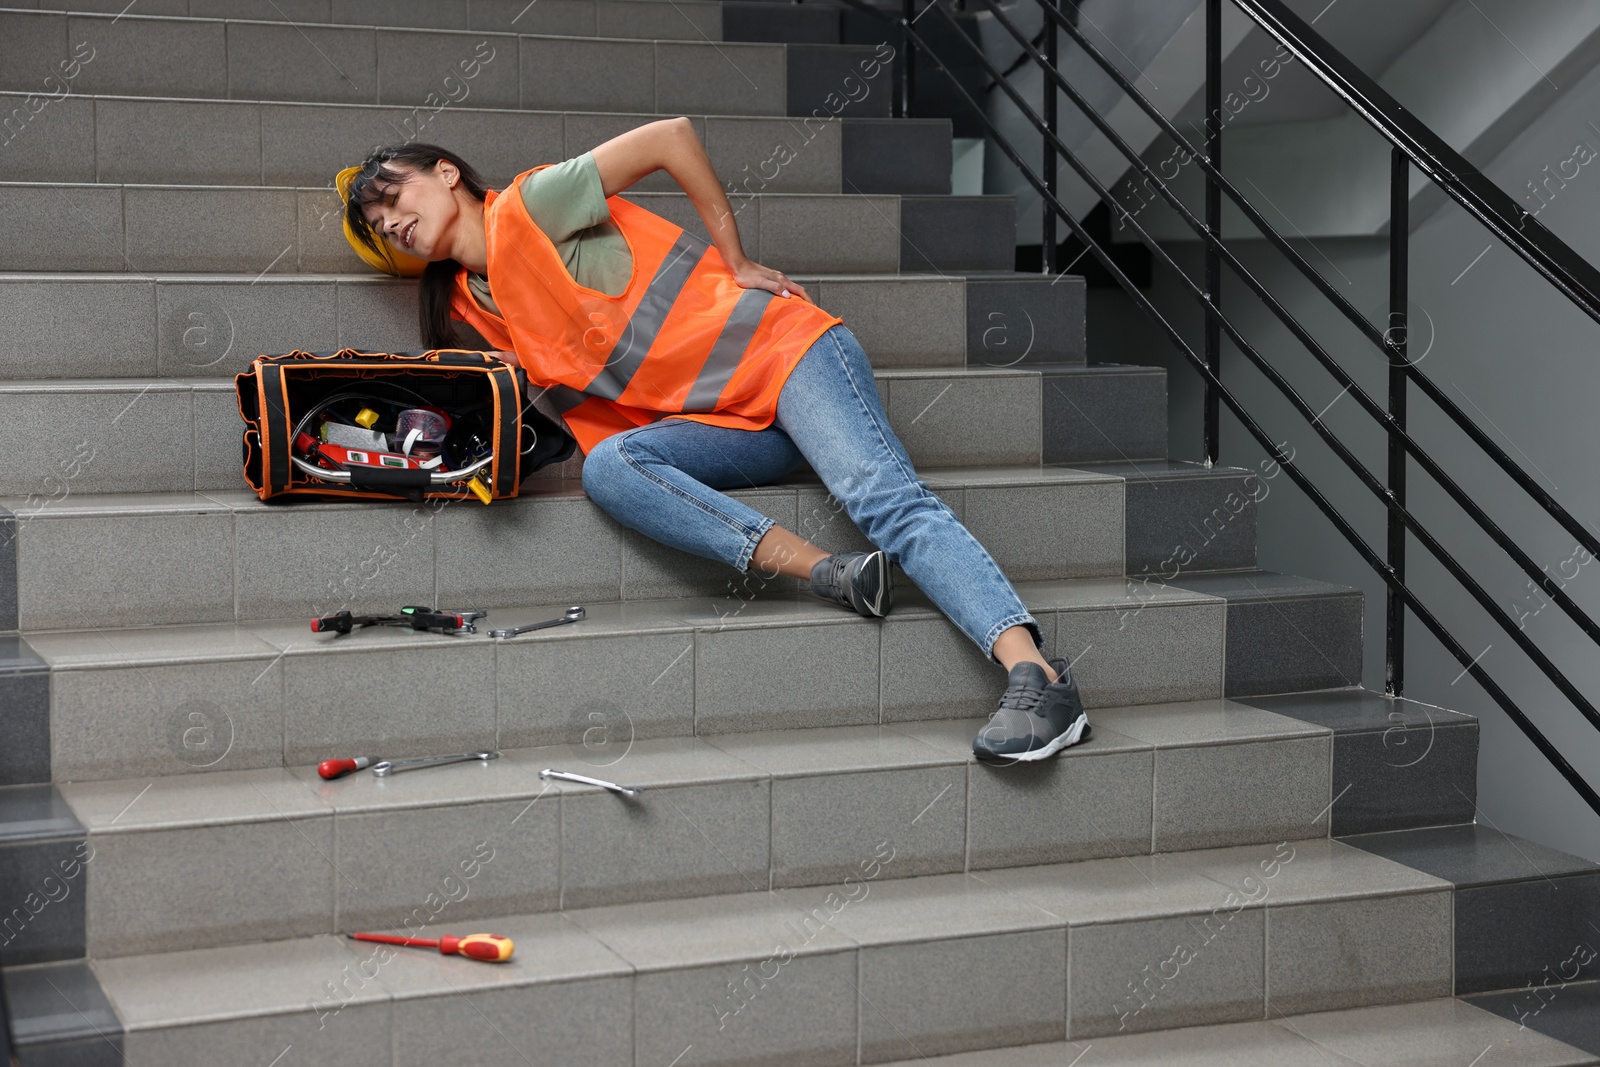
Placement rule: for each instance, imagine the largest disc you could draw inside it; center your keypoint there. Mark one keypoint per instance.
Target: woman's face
(418, 216)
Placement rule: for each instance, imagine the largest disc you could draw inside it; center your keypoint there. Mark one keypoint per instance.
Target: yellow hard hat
(385, 259)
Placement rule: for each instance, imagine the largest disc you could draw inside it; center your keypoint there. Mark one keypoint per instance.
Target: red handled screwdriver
(490, 948)
(338, 768)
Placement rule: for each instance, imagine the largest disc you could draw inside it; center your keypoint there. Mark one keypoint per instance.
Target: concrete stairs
(1251, 857)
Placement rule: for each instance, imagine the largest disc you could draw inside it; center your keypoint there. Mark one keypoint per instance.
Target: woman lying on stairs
(684, 369)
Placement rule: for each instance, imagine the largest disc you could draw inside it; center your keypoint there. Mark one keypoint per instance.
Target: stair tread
(1429, 1033)
(160, 98)
(1258, 585)
(390, 27)
(1356, 710)
(539, 486)
(212, 798)
(35, 812)
(1473, 855)
(1574, 1017)
(164, 989)
(237, 228)
(1301, 871)
(91, 647)
(1141, 469)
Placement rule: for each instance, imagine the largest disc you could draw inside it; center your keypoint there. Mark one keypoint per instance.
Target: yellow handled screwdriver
(489, 948)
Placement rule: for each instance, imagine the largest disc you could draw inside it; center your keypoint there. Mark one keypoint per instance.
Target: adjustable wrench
(573, 614)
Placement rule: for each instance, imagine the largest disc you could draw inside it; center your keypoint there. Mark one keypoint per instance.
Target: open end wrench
(387, 767)
(573, 614)
(583, 779)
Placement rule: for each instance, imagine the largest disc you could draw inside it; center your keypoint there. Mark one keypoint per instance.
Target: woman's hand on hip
(752, 275)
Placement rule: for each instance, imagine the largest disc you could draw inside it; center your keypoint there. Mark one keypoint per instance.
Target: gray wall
(1522, 363)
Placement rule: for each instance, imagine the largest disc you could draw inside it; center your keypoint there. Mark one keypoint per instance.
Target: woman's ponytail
(433, 308)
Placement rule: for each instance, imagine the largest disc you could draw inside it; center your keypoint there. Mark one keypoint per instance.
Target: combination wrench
(573, 614)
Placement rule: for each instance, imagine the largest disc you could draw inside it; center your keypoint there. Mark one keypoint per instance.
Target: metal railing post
(908, 76)
(1051, 164)
(1213, 123)
(1394, 660)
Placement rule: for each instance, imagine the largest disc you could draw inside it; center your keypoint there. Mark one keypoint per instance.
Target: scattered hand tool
(490, 948)
(573, 614)
(583, 779)
(410, 617)
(338, 768)
(395, 766)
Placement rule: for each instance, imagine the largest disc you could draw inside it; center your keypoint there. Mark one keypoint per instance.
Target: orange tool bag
(442, 424)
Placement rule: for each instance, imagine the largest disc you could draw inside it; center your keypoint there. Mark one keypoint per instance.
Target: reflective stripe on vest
(645, 322)
(729, 350)
(563, 398)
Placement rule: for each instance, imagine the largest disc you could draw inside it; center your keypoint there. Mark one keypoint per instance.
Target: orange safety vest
(682, 339)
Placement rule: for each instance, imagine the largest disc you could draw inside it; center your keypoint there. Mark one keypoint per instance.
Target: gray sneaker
(1036, 719)
(856, 580)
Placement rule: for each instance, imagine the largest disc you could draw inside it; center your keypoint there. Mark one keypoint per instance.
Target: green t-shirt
(568, 203)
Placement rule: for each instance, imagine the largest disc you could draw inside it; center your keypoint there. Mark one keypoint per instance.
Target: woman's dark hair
(371, 184)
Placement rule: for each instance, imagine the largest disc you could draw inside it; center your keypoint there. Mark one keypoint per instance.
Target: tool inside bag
(438, 424)
(412, 617)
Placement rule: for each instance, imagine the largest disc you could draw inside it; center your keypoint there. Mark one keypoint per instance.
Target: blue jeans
(662, 480)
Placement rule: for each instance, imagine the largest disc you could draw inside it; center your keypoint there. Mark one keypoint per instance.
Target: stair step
(190, 325)
(602, 18)
(160, 435)
(41, 873)
(925, 965)
(1555, 911)
(810, 23)
(60, 1015)
(1015, 319)
(1406, 764)
(955, 233)
(693, 20)
(83, 559)
(244, 142)
(1106, 411)
(1285, 634)
(112, 703)
(1182, 517)
(1428, 1033)
(901, 155)
(144, 228)
(1575, 1020)
(1331, 925)
(558, 66)
(291, 855)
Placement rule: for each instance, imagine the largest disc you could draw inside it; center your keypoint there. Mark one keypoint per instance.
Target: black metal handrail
(1412, 142)
(1552, 257)
(1385, 339)
(1215, 248)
